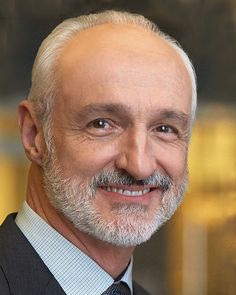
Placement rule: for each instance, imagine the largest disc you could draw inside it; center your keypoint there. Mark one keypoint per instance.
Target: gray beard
(131, 224)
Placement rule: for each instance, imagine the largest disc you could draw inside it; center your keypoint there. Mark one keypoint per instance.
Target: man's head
(116, 99)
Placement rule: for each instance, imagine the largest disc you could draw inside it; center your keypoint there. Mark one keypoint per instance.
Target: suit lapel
(25, 271)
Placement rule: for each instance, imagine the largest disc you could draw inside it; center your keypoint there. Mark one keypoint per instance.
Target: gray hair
(43, 90)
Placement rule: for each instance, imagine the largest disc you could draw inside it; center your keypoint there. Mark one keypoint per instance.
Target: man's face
(120, 128)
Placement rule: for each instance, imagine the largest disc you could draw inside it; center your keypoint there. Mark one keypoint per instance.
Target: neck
(111, 258)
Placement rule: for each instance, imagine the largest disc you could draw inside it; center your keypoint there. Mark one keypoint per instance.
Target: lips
(126, 192)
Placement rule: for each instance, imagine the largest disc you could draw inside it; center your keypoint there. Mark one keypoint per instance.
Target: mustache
(120, 177)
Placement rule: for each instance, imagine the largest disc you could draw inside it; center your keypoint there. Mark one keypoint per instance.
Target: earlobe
(31, 133)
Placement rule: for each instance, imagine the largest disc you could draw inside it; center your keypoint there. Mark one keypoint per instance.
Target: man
(106, 128)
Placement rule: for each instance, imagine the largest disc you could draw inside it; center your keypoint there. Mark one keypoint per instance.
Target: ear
(31, 132)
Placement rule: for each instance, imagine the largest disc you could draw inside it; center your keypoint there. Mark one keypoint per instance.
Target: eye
(101, 127)
(166, 132)
(100, 124)
(166, 129)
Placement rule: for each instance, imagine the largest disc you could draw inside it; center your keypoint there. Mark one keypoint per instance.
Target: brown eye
(100, 123)
(166, 132)
(165, 129)
(101, 127)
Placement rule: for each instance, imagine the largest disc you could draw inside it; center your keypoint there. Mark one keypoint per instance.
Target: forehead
(123, 62)
(119, 41)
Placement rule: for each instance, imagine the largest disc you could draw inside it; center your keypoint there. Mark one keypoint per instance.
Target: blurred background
(195, 252)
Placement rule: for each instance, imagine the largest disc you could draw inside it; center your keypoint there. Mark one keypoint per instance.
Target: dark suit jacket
(22, 272)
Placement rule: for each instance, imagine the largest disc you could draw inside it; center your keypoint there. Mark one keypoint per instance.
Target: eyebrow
(174, 115)
(95, 109)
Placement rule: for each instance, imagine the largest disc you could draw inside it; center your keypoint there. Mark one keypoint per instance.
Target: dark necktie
(118, 288)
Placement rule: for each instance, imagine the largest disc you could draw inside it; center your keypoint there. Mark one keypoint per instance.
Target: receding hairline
(107, 34)
(107, 28)
(43, 90)
(111, 26)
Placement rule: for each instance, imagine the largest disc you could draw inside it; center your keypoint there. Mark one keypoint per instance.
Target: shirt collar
(76, 272)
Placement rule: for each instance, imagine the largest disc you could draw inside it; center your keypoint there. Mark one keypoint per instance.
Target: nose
(136, 155)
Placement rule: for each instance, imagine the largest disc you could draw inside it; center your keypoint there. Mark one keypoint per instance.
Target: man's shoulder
(9, 220)
(8, 229)
(10, 234)
(7, 232)
(139, 290)
(17, 256)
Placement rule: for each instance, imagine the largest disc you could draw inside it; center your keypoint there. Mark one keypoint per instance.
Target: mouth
(129, 192)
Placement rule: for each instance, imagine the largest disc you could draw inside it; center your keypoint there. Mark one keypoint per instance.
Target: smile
(125, 192)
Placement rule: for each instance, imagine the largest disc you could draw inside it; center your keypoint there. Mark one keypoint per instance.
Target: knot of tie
(119, 288)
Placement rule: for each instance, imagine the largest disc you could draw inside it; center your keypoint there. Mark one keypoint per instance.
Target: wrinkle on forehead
(116, 35)
(130, 41)
(125, 57)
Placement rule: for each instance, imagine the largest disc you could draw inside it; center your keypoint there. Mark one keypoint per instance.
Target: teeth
(127, 192)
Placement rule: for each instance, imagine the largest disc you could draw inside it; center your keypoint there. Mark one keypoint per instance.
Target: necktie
(118, 288)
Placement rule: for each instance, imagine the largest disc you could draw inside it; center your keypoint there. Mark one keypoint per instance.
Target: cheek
(174, 162)
(86, 159)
